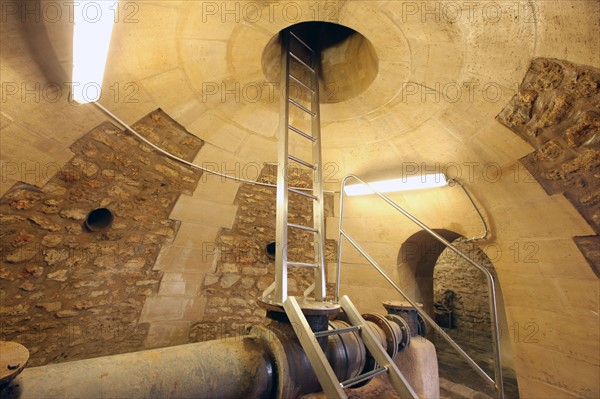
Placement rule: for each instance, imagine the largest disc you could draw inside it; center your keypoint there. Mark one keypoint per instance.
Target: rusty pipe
(229, 368)
(269, 363)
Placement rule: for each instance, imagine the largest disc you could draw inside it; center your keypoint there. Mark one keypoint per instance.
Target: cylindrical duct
(346, 352)
(230, 368)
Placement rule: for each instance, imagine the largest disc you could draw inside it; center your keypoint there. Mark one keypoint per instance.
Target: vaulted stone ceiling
(445, 70)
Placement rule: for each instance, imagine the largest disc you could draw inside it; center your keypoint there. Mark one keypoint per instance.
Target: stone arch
(419, 253)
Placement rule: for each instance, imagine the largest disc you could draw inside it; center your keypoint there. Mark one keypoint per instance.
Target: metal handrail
(498, 383)
(486, 231)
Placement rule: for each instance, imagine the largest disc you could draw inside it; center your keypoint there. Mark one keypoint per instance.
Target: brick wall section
(243, 269)
(557, 111)
(471, 308)
(68, 293)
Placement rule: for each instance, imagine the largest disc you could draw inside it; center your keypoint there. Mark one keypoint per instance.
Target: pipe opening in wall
(99, 219)
(270, 250)
(348, 62)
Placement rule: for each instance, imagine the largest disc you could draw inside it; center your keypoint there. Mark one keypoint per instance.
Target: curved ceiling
(445, 71)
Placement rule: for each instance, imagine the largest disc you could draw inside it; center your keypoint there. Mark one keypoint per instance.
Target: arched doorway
(441, 277)
(419, 253)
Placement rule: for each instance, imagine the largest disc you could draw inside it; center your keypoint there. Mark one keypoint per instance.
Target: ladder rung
(294, 56)
(301, 133)
(301, 227)
(302, 107)
(304, 193)
(301, 83)
(303, 264)
(302, 162)
(363, 377)
(301, 41)
(327, 333)
(310, 289)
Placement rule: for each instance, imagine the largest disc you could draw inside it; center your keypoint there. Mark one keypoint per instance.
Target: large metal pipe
(230, 368)
(268, 363)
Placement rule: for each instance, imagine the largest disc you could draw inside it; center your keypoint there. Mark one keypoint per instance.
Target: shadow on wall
(41, 45)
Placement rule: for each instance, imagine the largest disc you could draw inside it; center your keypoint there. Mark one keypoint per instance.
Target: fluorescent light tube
(91, 38)
(402, 184)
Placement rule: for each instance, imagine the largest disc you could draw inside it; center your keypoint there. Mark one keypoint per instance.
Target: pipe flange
(294, 374)
(404, 329)
(370, 363)
(410, 314)
(346, 352)
(391, 337)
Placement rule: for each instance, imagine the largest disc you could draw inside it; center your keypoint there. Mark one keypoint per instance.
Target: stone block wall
(67, 292)
(243, 269)
(556, 111)
(471, 309)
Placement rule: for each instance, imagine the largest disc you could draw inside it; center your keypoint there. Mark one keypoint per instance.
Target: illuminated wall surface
(502, 95)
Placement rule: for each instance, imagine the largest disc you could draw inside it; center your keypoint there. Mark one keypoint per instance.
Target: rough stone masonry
(243, 268)
(557, 111)
(67, 292)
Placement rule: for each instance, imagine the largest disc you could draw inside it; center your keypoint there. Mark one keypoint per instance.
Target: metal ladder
(311, 135)
(294, 52)
(332, 387)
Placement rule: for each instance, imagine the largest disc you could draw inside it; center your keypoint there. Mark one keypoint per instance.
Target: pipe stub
(99, 219)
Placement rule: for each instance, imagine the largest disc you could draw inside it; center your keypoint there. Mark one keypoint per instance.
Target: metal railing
(498, 382)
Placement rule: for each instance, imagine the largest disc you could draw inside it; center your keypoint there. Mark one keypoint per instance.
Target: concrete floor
(458, 380)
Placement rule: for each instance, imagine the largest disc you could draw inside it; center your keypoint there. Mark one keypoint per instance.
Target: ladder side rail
(320, 291)
(320, 365)
(498, 383)
(281, 234)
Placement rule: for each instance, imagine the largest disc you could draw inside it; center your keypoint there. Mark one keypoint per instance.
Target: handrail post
(338, 271)
(499, 380)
